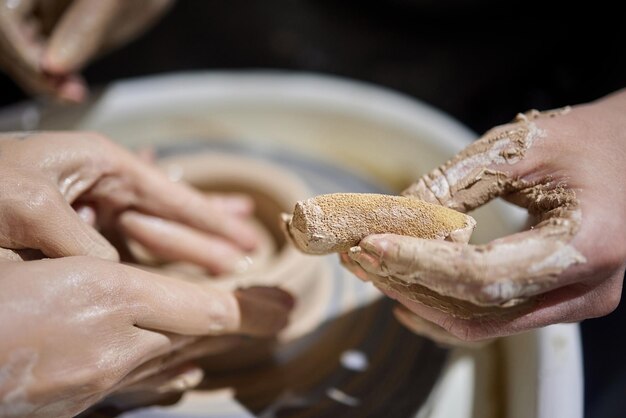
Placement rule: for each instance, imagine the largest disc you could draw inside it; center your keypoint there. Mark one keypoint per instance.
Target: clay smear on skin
(531, 263)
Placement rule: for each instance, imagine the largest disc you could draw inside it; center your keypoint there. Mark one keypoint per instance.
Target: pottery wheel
(357, 362)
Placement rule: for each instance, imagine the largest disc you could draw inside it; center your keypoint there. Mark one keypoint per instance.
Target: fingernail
(375, 245)
(367, 261)
(355, 250)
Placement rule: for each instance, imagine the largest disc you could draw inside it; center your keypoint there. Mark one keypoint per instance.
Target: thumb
(484, 170)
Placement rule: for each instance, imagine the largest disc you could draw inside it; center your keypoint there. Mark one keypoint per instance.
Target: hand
(565, 167)
(55, 187)
(44, 44)
(78, 328)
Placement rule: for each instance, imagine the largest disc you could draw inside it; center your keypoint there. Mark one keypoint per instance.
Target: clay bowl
(276, 263)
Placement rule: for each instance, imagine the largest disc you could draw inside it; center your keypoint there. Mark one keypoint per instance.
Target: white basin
(383, 136)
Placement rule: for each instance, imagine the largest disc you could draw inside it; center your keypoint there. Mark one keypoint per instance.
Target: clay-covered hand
(44, 44)
(568, 168)
(79, 328)
(59, 189)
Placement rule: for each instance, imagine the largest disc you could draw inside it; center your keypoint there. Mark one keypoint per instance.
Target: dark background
(480, 61)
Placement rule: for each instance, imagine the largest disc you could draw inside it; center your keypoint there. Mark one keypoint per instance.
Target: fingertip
(73, 89)
(368, 261)
(376, 245)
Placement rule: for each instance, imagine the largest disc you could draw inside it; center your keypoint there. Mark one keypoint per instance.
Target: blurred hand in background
(44, 44)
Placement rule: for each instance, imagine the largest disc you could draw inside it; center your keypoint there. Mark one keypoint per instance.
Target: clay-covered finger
(40, 218)
(567, 304)
(504, 271)
(79, 35)
(172, 241)
(486, 169)
(432, 331)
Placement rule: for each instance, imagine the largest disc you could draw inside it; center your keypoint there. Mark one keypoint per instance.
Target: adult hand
(568, 168)
(79, 328)
(44, 44)
(55, 187)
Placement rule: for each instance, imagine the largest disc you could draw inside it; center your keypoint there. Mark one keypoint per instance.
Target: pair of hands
(44, 44)
(79, 325)
(568, 168)
(68, 347)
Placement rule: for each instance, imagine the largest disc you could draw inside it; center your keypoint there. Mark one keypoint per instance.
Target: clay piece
(336, 222)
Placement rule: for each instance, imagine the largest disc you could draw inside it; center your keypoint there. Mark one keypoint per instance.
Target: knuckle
(33, 197)
(25, 207)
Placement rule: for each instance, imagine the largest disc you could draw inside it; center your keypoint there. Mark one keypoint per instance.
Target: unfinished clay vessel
(276, 262)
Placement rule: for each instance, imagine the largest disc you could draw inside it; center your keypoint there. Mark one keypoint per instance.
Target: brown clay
(336, 222)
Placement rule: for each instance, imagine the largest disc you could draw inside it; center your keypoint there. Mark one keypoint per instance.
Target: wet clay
(508, 270)
(468, 177)
(336, 222)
